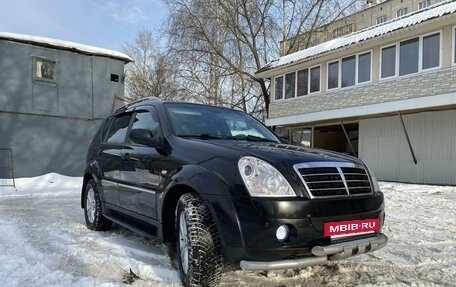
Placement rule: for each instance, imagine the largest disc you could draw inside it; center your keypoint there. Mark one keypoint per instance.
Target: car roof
(154, 101)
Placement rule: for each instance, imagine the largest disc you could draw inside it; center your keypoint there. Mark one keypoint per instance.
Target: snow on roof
(434, 11)
(64, 45)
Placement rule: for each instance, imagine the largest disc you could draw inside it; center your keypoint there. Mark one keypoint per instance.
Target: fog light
(282, 233)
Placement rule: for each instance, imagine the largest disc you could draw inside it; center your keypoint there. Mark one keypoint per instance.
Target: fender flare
(215, 192)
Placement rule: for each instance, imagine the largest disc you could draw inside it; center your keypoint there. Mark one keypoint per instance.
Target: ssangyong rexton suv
(223, 189)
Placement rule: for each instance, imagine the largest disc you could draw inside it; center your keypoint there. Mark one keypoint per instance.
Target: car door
(109, 157)
(141, 172)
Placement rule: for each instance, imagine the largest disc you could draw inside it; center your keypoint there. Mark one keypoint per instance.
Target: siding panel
(383, 146)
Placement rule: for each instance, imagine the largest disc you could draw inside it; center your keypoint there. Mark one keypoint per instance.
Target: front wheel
(92, 208)
(199, 250)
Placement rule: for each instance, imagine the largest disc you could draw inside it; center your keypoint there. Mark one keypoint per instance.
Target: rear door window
(118, 129)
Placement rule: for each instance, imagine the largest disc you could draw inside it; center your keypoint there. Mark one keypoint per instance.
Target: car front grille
(333, 179)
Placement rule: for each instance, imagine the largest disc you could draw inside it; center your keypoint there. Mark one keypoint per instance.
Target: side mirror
(145, 137)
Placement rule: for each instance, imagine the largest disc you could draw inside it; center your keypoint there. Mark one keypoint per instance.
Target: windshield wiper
(207, 136)
(244, 137)
(253, 138)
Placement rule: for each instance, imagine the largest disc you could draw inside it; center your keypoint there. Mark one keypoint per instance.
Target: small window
(45, 70)
(118, 129)
(303, 82)
(290, 85)
(431, 51)
(315, 79)
(381, 19)
(333, 75)
(388, 63)
(364, 68)
(348, 71)
(424, 4)
(401, 12)
(279, 88)
(408, 57)
(114, 78)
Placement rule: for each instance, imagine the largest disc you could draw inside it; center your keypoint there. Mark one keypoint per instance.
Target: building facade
(53, 96)
(375, 12)
(386, 94)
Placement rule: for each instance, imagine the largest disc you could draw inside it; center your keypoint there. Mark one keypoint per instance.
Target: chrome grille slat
(334, 179)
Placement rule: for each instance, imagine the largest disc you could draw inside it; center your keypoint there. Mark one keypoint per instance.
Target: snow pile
(46, 185)
(44, 242)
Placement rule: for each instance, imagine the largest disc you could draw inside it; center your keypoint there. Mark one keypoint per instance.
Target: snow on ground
(44, 242)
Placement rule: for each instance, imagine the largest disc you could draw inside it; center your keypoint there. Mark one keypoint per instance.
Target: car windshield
(190, 120)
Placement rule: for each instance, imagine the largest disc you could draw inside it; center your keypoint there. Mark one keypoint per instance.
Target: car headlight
(262, 179)
(375, 185)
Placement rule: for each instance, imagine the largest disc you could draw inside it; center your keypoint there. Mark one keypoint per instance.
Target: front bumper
(322, 254)
(249, 233)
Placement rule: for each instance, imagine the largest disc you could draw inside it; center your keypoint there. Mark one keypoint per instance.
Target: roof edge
(64, 45)
(370, 33)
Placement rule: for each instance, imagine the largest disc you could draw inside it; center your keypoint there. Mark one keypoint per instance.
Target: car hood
(281, 153)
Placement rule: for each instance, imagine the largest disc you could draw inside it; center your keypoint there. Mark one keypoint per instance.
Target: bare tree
(220, 44)
(152, 72)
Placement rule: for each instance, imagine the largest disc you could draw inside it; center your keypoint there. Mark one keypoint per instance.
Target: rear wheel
(92, 208)
(199, 250)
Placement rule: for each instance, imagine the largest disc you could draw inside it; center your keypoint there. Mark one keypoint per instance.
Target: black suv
(225, 190)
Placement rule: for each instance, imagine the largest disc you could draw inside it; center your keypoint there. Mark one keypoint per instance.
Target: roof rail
(150, 98)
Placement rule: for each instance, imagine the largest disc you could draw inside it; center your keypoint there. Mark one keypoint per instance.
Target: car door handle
(125, 157)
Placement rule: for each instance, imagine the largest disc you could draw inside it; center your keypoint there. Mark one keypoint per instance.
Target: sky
(102, 23)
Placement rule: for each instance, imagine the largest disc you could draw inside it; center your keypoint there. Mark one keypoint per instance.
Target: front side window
(348, 71)
(45, 70)
(431, 51)
(333, 75)
(118, 129)
(408, 57)
(279, 88)
(147, 120)
(388, 65)
(303, 82)
(290, 85)
(315, 79)
(364, 67)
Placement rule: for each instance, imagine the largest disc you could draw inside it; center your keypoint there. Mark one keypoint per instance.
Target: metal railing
(6, 167)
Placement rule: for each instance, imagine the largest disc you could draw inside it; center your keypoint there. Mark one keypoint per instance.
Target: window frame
(283, 88)
(440, 32)
(401, 11)
(396, 59)
(283, 76)
(420, 55)
(453, 45)
(424, 1)
(293, 90)
(370, 67)
(381, 17)
(339, 61)
(37, 79)
(310, 79)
